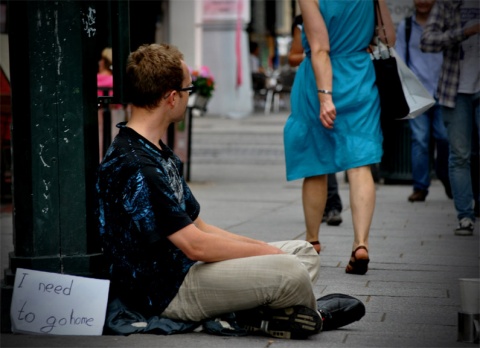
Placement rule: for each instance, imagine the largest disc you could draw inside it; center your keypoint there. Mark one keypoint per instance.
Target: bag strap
(379, 22)
(408, 32)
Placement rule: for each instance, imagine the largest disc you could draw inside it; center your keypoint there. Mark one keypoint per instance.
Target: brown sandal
(357, 266)
(316, 242)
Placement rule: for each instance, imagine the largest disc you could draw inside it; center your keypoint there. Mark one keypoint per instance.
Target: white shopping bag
(418, 98)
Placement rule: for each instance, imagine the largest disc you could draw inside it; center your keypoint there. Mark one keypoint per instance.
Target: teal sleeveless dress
(356, 139)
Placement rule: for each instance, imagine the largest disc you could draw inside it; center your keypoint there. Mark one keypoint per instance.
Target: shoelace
(465, 223)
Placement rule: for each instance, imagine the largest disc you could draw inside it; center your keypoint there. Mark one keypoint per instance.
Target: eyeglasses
(190, 89)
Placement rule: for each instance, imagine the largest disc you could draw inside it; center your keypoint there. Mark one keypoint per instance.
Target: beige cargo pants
(277, 281)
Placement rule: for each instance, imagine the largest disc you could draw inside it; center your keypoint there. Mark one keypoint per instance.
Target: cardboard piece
(58, 304)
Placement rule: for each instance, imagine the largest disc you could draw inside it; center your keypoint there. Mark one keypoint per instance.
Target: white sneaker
(465, 227)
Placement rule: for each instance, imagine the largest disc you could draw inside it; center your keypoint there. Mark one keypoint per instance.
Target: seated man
(163, 259)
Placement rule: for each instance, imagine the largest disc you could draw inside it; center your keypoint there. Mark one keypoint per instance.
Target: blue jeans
(461, 122)
(422, 128)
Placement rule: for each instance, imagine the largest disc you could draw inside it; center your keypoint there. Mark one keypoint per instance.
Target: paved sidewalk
(411, 291)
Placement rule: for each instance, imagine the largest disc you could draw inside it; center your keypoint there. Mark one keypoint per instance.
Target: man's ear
(172, 99)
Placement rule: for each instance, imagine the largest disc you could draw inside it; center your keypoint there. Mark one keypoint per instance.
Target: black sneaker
(338, 310)
(334, 218)
(465, 227)
(297, 322)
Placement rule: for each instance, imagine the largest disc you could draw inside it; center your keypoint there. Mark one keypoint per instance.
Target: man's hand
(472, 30)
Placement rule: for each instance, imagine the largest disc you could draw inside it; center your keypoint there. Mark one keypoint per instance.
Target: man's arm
(203, 226)
(435, 38)
(217, 244)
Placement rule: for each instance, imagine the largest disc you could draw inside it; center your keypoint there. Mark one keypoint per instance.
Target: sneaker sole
(463, 232)
(296, 322)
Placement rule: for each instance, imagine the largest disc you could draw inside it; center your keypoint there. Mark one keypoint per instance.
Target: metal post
(120, 47)
(189, 142)
(107, 119)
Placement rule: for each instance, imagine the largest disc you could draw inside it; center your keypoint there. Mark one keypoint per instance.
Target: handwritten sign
(58, 304)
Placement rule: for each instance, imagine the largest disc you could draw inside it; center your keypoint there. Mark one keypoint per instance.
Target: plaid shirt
(444, 32)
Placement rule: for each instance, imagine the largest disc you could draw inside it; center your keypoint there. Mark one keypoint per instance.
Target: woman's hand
(328, 113)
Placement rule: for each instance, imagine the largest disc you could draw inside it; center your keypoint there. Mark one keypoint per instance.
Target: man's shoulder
(123, 158)
(126, 163)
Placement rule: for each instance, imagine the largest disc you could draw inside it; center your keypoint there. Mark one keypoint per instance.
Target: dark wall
(143, 18)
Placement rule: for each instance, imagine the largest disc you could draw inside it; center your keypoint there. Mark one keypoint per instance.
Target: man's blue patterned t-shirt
(142, 199)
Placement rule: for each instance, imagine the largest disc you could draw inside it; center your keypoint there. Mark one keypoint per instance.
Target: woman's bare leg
(314, 198)
(362, 202)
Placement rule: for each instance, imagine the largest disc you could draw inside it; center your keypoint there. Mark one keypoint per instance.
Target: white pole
(198, 33)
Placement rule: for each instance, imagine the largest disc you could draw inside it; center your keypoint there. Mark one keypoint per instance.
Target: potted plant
(204, 82)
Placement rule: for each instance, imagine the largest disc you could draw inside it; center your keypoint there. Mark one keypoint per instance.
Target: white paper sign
(58, 304)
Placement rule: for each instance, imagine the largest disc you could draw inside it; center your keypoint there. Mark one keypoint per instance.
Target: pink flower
(203, 79)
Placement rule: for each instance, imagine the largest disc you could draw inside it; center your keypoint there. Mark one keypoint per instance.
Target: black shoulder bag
(392, 99)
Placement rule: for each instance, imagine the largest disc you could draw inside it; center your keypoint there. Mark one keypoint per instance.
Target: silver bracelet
(324, 91)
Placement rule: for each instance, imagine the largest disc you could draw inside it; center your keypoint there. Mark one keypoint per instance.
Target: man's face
(423, 6)
(183, 95)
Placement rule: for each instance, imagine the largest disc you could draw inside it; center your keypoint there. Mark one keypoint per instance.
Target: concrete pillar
(54, 139)
(205, 31)
(183, 29)
(219, 54)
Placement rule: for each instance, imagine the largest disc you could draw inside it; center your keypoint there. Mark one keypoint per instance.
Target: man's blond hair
(153, 71)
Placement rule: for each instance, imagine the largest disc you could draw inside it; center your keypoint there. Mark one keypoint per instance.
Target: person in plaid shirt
(453, 28)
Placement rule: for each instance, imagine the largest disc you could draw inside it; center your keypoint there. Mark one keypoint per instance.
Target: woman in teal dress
(335, 120)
